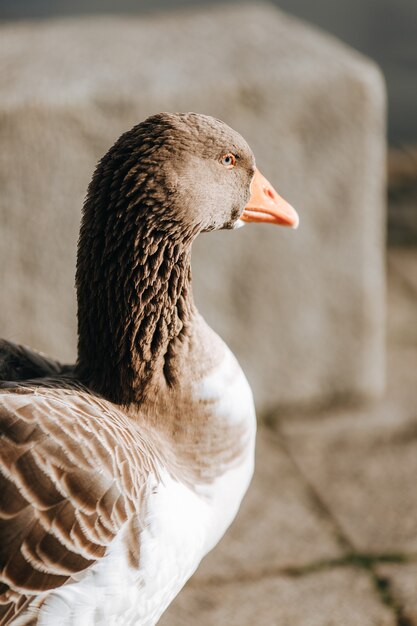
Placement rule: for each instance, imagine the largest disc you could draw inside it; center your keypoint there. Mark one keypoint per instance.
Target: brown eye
(228, 160)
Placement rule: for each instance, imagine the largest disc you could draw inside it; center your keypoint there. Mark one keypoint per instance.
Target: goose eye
(228, 160)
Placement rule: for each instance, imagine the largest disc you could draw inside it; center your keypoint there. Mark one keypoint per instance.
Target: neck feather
(134, 306)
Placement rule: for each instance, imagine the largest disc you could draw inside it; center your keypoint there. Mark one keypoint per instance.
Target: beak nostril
(269, 193)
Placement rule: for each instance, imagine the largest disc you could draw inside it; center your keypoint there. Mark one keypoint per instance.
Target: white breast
(182, 525)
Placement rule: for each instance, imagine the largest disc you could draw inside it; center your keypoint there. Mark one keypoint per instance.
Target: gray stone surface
(363, 463)
(332, 598)
(303, 311)
(277, 527)
(365, 468)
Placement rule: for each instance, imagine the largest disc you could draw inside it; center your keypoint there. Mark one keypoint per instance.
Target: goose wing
(73, 471)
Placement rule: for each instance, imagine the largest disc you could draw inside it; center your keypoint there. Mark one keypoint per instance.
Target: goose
(119, 473)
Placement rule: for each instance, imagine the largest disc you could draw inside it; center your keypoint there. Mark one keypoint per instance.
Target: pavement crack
(315, 497)
(386, 594)
(355, 559)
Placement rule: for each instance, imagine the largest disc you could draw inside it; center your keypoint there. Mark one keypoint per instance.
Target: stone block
(304, 311)
(328, 598)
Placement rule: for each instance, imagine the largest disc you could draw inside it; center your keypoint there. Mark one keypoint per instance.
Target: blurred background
(383, 29)
(323, 320)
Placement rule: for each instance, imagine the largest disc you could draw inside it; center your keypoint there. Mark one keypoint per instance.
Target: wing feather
(73, 470)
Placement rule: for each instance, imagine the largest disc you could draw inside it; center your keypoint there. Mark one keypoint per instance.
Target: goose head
(186, 173)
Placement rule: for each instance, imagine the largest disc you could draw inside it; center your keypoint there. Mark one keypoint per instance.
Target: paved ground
(327, 535)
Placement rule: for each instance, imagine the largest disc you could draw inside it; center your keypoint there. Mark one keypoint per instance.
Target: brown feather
(59, 513)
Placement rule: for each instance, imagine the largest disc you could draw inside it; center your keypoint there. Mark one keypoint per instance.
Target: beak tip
(265, 205)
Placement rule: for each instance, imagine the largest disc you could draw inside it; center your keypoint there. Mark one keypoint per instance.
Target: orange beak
(265, 205)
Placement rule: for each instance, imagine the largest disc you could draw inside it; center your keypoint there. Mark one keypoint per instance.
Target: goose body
(118, 474)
